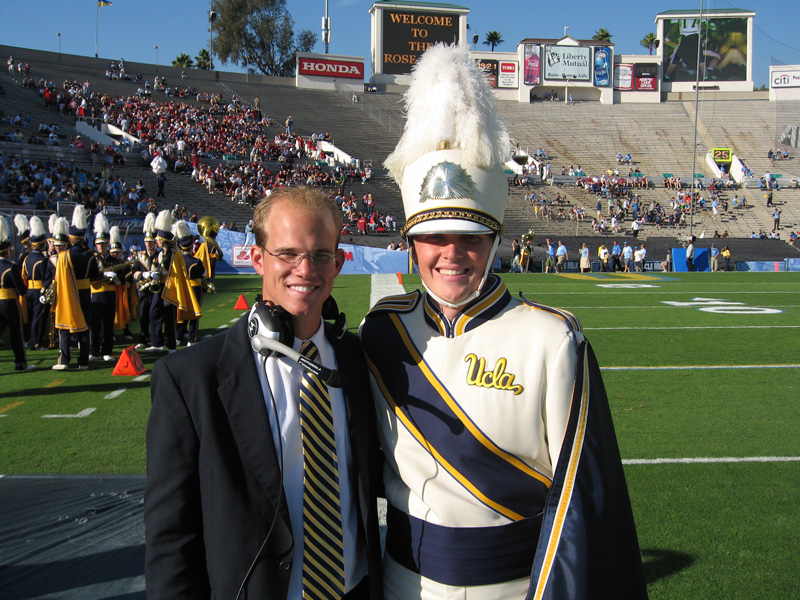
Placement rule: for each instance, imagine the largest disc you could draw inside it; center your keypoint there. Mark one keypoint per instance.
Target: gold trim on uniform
(397, 303)
(452, 213)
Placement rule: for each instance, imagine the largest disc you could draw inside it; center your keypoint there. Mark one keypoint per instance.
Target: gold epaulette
(571, 320)
(401, 303)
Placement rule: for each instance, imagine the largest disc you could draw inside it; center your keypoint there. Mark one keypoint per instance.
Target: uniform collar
(493, 298)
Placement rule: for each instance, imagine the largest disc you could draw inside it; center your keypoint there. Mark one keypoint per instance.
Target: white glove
(146, 275)
(155, 275)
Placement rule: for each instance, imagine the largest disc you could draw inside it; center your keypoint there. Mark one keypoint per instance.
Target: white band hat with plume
(149, 227)
(114, 237)
(100, 229)
(5, 238)
(164, 226)
(80, 217)
(38, 234)
(449, 161)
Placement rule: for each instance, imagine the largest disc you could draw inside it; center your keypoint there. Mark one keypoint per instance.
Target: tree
(204, 61)
(649, 41)
(183, 60)
(493, 38)
(602, 35)
(259, 35)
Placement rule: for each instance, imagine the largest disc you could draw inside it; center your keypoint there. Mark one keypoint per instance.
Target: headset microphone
(271, 334)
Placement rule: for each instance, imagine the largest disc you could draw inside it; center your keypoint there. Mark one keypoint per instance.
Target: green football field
(703, 376)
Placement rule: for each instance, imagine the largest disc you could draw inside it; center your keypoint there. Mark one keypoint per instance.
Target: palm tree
(649, 41)
(602, 35)
(493, 38)
(203, 59)
(183, 60)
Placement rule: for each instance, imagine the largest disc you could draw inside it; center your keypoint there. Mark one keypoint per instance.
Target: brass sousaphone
(208, 227)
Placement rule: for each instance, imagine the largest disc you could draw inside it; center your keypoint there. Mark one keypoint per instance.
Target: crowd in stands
(43, 183)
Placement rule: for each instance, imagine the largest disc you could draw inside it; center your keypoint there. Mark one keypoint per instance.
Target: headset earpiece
(272, 322)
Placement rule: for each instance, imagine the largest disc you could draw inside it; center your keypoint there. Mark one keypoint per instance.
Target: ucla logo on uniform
(496, 379)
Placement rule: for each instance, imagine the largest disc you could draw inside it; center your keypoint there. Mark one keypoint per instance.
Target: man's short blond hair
(310, 200)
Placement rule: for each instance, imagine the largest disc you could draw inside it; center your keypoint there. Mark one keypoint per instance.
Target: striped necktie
(323, 558)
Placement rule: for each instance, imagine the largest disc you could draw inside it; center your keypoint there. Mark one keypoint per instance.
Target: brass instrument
(48, 294)
(208, 227)
(148, 285)
(528, 235)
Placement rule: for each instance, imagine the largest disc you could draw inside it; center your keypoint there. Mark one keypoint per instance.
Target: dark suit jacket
(213, 477)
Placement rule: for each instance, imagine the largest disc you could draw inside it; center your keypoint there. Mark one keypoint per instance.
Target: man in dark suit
(226, 480)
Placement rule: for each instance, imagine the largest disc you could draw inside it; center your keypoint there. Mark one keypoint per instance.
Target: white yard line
(722, 459)
(382, 285)
(698, 367)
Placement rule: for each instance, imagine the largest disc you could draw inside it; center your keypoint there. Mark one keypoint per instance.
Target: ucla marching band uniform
(502, 474)
(34, 271)
(162, 314)
(143, 270)
(76, 269)
(103, 294)
(12, 288)
(189, 321)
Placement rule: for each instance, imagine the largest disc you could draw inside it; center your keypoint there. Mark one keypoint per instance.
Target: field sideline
(702, 372)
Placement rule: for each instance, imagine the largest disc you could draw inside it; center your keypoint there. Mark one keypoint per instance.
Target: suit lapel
(242, 397)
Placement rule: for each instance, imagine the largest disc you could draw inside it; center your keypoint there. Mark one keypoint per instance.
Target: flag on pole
(103, 3)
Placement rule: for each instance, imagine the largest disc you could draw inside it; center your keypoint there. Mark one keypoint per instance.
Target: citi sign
(331, 68)
(786, 79)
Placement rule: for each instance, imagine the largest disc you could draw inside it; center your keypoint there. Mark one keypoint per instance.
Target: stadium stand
(659, 137)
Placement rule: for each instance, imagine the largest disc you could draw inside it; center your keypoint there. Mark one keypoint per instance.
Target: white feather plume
(21, 223)
(4, 234)
(37, 227)
(61, 227)
(181, 230)
(51, 222)
(114, 235)
(149, 223)
(164, 221)
(80, 217)
(449, 99)
(100, 224)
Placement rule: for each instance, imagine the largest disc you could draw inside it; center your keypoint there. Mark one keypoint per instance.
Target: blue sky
(132, 28)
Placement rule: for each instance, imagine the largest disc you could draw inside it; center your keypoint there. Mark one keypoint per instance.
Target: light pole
(566, 89)
(156, 49)
(326, 29)
(565, 30)
(212, 16)
(59, 46)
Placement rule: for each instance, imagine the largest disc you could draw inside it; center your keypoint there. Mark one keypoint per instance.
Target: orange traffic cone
(130, 363)
(241, 303)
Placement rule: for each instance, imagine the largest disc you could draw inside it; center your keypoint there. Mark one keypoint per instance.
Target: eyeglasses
(295, 258)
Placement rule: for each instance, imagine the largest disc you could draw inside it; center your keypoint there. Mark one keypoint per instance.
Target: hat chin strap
(472, 295)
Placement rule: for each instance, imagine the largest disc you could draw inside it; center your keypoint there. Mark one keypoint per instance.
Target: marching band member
(143, 271)
(34, 270)
(11, 289)
(503, 475)
(189, 320)
(162, 314)
(104, 294)
(56, 243)
(76, 269)
(126, 300)
(23, 236)
(209, 251)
